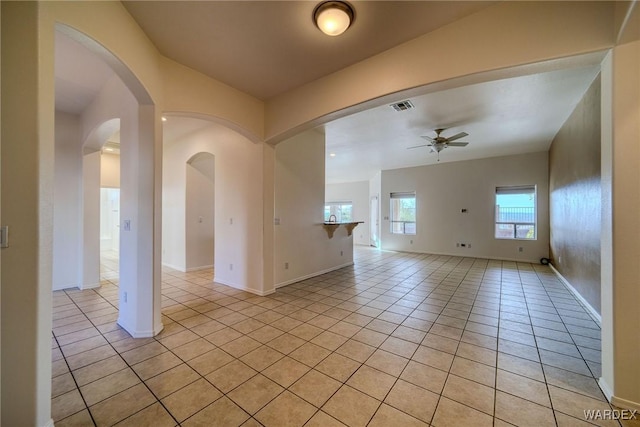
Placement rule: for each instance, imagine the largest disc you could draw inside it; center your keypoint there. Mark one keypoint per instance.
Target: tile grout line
(572, 340)
(384, 283)
(77, 386)
(132, 370)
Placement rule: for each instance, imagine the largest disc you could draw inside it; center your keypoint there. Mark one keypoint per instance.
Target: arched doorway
(200, 212)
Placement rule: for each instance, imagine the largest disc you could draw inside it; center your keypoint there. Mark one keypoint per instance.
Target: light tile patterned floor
(398, 340)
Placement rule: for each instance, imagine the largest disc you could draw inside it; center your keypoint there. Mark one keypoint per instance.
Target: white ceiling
(502, 117)
(236, 44)
(79, 75)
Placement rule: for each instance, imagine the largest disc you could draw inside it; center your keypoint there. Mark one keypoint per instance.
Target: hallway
(405, 339)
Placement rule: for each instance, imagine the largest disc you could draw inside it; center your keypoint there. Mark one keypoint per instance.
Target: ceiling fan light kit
(333, 17)
(439, 143)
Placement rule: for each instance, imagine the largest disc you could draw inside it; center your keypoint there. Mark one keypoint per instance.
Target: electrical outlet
(286, 265)
(124, 296)
(411, 242)
(4, 236)
(457, 245)
(230, 221)
(127, 225)
(231, 267)
(468, 245)
(520, 249)
(341, 253)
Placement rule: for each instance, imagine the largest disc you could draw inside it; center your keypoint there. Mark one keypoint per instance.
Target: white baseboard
(592, 311)
(49, 423)
(202, 267)
(243, 288)
(186, 270)
(529, 261)
(141, 334)
(76, 286)
(175, 267)
(614, 400)
(625, 404)
(317, 273)
(608, 393)
(89, 286)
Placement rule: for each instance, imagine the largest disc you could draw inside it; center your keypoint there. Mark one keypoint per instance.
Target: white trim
(186, 270)
(624, 403)
(592, 311)
(614, 400)
(608, 393)
(90, 286)
(49, 423)
(202, 267)
(175, 267)
(141, 334)
(317, 273)
(158, 328)
(243, 288)
(528, 261)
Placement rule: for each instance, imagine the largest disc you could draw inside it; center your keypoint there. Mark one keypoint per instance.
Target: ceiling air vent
(402, 105)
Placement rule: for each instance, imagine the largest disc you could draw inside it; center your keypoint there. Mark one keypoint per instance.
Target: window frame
(516, 190)
(399, 196)
(339, 205)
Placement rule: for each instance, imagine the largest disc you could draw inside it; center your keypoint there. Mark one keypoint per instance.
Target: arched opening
(211, 201)
(110, 208)
(200, 212)
(100, 102)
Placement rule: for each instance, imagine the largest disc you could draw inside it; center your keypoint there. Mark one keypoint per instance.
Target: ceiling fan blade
(419, 146)
(457, 144)
(457, 136)
(428, 138)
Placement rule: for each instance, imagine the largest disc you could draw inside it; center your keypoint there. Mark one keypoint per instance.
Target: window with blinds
(516, 212)
(403, 213)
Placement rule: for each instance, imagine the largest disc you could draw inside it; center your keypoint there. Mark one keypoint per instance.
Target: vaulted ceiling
(266, 48)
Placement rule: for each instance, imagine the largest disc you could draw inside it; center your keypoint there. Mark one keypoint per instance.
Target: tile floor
(397, 340)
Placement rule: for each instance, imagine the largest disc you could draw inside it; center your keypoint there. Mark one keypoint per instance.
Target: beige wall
(443, 190)
(67, 209)
(27, 200)
(527, 33)
(575, 198)
(358, 194)
(238, 203)
(300, 239)
(200, 212)
(626, 225)
(548, 30)
(110, 170)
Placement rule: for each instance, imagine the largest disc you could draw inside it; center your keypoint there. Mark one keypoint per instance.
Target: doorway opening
(109, 232)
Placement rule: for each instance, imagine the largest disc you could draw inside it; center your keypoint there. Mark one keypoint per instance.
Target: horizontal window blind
(519, 189)
(404, 195)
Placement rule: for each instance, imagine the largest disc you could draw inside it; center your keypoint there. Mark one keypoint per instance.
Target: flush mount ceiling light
(333, 17)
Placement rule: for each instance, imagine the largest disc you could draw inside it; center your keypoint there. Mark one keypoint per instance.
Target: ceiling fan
(439, 143)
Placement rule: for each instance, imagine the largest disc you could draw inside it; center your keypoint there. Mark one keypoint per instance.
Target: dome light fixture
(333, 17)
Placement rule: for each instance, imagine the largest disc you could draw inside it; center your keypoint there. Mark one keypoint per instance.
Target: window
(341, 210)
(516, 212)
(403, 213)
